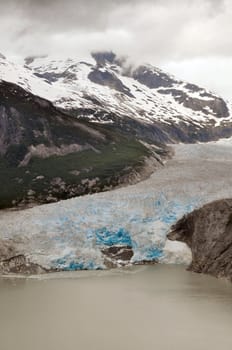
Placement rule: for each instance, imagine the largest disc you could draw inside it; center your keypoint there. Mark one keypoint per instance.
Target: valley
(74, 134)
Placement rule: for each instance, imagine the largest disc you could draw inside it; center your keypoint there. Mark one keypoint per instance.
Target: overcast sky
(190, 38)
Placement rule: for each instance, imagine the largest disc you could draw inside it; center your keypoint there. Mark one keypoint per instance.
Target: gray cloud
(163, 32)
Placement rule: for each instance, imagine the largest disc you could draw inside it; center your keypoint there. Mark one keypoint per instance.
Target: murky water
(153, 307)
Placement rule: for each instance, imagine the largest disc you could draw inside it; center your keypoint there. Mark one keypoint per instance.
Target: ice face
(71, 234)
(84, 227)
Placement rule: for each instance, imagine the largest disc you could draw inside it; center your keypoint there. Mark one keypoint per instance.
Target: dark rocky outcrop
(109, 79)
(151, 78)
(52, 77)
(19, 264)
(116, 256)
(213, 105)
(120, 255)
(12, 261)
(208, 232)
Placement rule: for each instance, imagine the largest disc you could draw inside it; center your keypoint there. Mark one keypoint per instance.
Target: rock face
(108, 79)
(208, 232)
(13, 261)
(152, 79)
(116, 256)
(26, 120)
(39, 143)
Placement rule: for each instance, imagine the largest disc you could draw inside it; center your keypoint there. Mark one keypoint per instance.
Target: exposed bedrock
(116, 256)
(121, 255)
(12, 260)
(108, 79)
(208, 232)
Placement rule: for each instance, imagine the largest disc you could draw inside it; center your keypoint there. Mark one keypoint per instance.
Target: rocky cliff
(208, 232)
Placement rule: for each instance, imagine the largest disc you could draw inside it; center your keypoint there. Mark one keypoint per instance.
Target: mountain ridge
(144, 100)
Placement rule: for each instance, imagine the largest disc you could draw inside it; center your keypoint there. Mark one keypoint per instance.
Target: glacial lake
(159, 307)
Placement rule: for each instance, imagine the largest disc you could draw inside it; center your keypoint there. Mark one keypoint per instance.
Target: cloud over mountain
(161, 32)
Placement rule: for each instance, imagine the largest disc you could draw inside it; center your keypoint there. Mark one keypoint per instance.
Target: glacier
(71, 234)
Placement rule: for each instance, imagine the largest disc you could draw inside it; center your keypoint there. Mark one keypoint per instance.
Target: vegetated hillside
(46, 155)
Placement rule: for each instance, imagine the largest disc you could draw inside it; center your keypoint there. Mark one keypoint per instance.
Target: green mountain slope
(46, 155)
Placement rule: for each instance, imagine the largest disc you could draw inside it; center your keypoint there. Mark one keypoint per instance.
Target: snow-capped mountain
(141, 100)
(25, 78)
